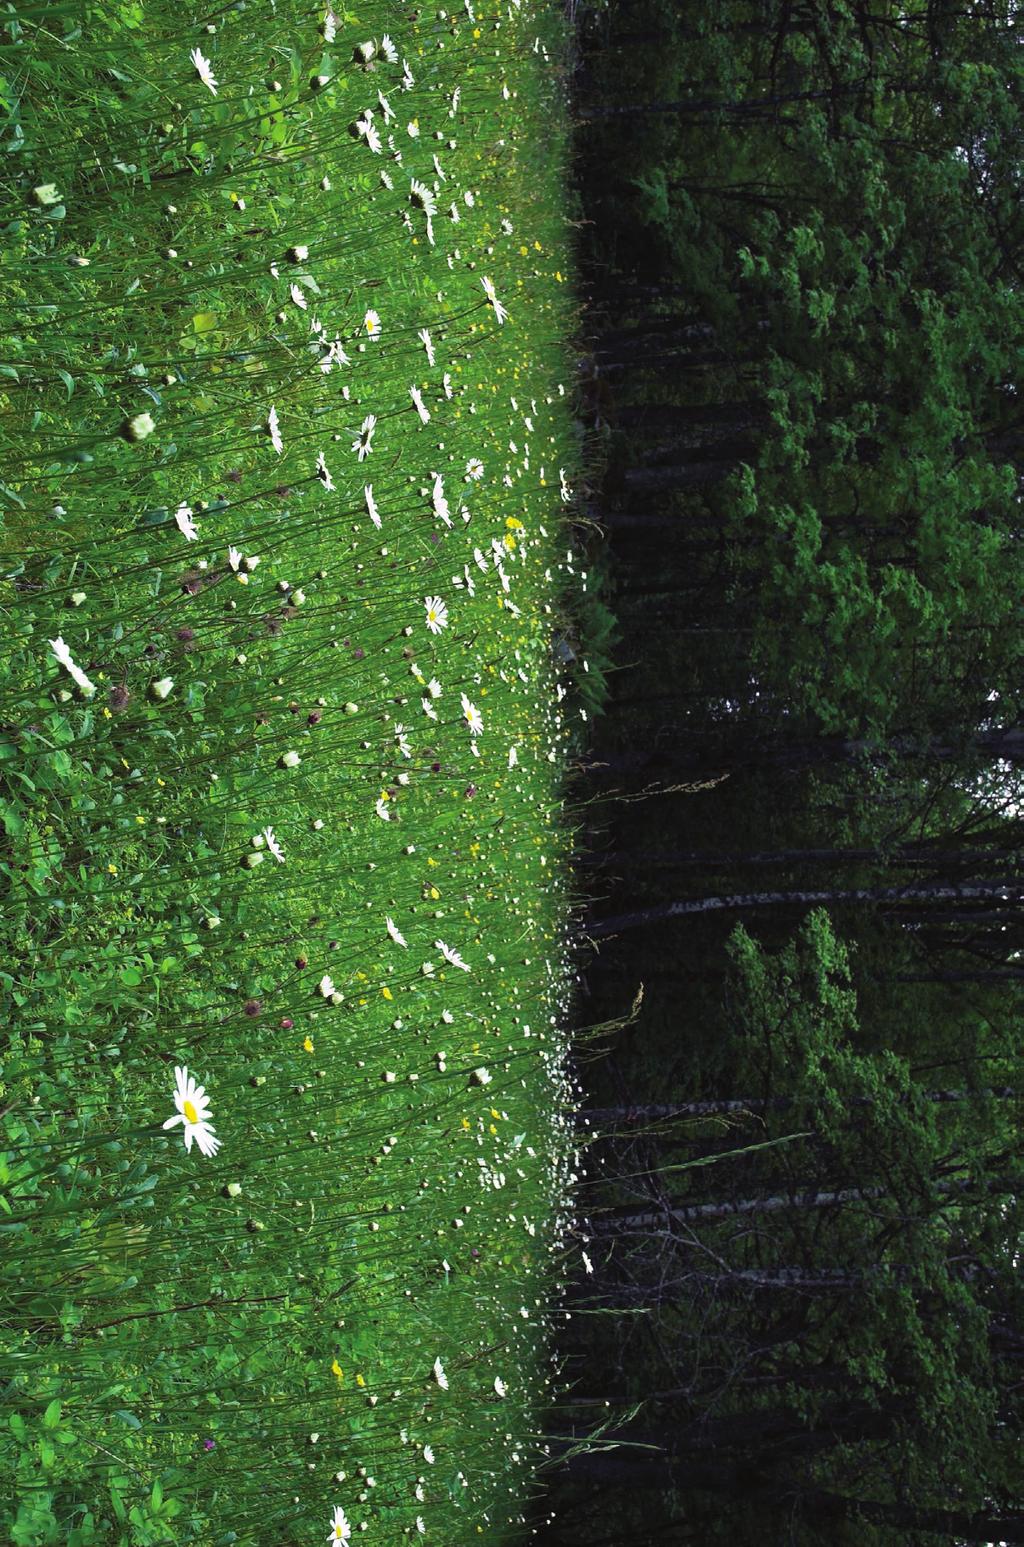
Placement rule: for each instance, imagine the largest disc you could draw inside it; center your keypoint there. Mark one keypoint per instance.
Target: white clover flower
(193, 1112)
(204, 70)
(437, 614)
(274, 430)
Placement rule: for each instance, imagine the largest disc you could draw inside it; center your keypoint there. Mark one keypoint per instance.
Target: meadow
(287, 454)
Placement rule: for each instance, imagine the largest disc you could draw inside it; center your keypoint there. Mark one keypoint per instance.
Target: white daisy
(388, 49)
(363, 444)
(234, 559)
(474, 719)
(330, 26)
(451, 955)
(394, 931)
(326, 985)
(439, 1375)
(274, 431)
(186, 526)
(340, 1528)
(204, 69)
(513, 757)
(273, 845)
(499, 1386)
(474, 469)
(298, 296)
(434, 688)
(422, 197)
(371, 504)
(381, 808)
(428, 344)
(193, 1106)
(63, 655)
(323, 474)
(371, 322)
(489, 291)
(446, 383)
(437, 614)
(439, 502)
(419, 405)
(428, 709)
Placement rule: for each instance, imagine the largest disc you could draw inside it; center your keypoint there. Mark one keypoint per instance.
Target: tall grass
(281, 744)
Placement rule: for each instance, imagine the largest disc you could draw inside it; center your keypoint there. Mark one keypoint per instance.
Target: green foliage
(280, 768)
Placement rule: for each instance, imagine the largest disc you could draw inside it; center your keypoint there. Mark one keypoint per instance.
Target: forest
(798, 1316)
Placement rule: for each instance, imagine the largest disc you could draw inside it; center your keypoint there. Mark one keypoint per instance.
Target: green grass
(208, 1348)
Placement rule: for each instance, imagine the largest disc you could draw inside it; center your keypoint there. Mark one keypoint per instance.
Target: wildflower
(340, 1528)
(434, 688)
(388, 111)
(474, 719)
(489, 291)
(428, 709)
(363, 444)
(418, 404)
(587, 1262)
(364, 52)
(371, 505)
(162, 687)
(480, 1077)
(77, 675)
(329, 26)
(186, 526)
(290, 760)
(428, 344)
(394, 931)
(439, 502)
(439, 1375)
(138, 427)
(513, 757)
(335, 356)
(326, 985)
(46, 195)
(446, 383)
(451, 955)
(499, 1386)
(323, 474)
(274, 431)
(474, 469)
(422, 197)
(193, 1111)
(388, 49)
(437, 614)
(381, 809)
(234, 559)
(298, 296)
(371, 322)
(273, 845)
(204, 70)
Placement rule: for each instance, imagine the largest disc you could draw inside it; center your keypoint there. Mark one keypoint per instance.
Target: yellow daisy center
(189, 1111)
